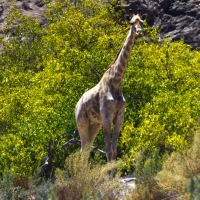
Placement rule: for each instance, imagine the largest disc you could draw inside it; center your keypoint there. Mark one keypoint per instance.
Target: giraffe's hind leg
(87, 132)
(93, 130)
(82, 123)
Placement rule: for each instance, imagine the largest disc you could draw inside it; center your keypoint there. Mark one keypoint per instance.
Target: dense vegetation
(45, 70)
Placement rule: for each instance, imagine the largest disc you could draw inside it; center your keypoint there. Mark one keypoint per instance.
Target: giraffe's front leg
(115, 136)
(106, 123)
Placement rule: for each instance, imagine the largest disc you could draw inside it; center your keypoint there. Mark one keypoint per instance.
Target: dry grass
(83, 180)
(178, 170)
(146, 192)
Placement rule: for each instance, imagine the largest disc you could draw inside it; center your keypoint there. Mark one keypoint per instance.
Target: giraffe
(104, 104)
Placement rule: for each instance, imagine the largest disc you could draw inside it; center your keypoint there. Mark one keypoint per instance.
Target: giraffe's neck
(118, 68)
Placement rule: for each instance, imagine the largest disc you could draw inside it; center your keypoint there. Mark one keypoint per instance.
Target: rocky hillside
(176, 18)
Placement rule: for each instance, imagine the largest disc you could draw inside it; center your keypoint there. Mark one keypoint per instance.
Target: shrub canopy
(45, 70)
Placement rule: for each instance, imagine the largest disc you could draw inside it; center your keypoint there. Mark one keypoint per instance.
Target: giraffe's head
(136, 22)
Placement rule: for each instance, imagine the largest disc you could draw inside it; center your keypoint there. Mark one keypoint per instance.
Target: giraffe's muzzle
(139, 32)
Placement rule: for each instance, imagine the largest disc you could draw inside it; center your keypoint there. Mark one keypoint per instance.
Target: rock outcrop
(33, 8)
(176, 18)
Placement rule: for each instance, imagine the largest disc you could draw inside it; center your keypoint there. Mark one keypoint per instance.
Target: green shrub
(45, 70)
(194, 188)
(146, 168)
(6, 185)
(15, 189)
(162, 99)
(43, 73)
